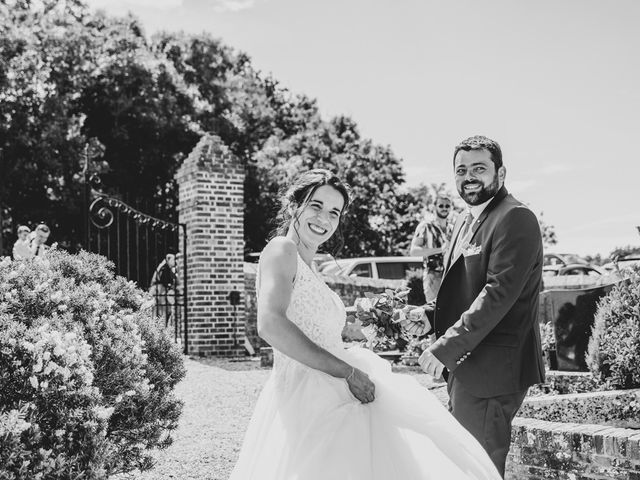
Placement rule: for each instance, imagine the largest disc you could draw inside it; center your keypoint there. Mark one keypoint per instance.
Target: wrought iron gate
(144, 249)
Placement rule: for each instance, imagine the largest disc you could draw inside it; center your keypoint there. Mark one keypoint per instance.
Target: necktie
(462, 236)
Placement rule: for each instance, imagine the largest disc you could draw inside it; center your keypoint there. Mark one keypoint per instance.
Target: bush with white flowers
(86, 374)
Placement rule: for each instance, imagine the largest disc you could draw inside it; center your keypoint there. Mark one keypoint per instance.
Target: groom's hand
(416, 322)
(430, 364)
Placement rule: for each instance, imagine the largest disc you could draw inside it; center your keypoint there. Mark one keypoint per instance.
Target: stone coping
(566, 282)
(616, 408)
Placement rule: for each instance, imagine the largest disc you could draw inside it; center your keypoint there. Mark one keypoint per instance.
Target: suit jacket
(486, 313)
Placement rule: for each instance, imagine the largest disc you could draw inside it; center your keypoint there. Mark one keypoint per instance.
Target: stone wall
(570, 282)
(615, 408)
(348, 288)
(569, 451)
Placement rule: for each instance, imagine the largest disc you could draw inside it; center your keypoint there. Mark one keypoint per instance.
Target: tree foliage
(85, 92)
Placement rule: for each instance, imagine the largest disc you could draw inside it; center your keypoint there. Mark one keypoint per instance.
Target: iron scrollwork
(103, 210)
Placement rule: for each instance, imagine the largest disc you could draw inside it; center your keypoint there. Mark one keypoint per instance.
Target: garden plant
(86, 373)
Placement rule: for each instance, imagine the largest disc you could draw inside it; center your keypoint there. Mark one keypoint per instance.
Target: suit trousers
(487, 419)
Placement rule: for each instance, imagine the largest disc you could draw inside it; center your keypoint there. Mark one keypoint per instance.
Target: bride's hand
(361, 386)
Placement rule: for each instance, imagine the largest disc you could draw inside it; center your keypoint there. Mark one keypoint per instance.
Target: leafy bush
(614, 348)
(86, 375)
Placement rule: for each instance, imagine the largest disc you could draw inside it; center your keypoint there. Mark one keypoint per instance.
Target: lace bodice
(316, 309)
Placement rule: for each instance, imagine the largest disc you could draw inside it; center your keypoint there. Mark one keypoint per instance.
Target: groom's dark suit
(486, 321)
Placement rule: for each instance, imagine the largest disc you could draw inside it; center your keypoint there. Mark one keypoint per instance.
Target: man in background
(38, 244)
(430, 240)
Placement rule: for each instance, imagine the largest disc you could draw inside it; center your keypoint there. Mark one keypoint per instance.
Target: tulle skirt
(308, 426)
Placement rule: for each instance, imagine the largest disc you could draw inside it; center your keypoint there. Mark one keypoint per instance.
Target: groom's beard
(482, 195)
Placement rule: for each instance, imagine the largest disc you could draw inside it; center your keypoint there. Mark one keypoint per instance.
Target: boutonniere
(471, 249)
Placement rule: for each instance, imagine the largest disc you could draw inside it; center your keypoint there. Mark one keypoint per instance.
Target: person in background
(21, 250)
(163, 286)
(430, 240)
(38, 244)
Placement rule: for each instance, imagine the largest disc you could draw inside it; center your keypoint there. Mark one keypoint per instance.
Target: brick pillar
(211, 203)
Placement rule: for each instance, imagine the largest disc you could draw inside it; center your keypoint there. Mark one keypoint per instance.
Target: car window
(414, 266)
(396, 270)
(574, 271)
(361, 270)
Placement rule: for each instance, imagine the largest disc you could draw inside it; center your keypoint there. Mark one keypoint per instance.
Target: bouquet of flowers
(382, 316)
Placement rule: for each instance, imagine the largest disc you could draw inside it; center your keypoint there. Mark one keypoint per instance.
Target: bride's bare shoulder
(280, 253)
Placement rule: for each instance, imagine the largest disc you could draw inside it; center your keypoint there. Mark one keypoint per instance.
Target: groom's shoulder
(509, 203)
(516, 214)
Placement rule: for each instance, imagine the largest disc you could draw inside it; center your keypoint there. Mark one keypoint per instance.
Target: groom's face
(476, 177)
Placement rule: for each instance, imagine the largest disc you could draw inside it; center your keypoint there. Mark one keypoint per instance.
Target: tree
(373, 172)
(548, 232)
(70, 82)
(41, 142)
(624, 251)
(80, 89)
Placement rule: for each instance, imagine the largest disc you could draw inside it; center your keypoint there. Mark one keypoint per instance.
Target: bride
(326, 412)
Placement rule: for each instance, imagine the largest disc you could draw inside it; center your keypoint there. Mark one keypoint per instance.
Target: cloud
(232, 5)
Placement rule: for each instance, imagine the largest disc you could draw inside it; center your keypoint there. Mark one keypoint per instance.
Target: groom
(486, 314)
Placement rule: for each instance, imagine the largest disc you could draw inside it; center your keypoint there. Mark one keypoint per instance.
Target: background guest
(21, 250)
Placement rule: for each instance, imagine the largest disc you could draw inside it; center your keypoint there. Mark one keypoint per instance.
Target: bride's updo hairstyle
(297, 195)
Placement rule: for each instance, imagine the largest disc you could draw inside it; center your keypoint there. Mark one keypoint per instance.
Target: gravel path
(219, 396)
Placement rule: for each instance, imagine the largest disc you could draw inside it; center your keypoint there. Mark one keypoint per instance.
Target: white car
(622, 262)
(392, 268)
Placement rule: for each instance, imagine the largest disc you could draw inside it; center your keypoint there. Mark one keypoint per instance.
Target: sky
(555, 82)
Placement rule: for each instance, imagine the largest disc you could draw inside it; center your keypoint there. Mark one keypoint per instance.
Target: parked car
(551, 259)
(622, 262)
(570, 269)
(392, 268)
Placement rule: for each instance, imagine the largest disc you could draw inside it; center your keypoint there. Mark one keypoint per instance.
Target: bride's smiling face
(317, 220)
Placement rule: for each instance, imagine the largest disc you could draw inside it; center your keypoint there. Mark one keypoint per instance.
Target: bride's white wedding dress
(307, 425)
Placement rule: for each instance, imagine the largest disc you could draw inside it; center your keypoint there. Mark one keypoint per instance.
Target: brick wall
(210, 183)
(569, 451)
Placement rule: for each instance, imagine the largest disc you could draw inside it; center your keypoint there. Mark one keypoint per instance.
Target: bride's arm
(278, 265)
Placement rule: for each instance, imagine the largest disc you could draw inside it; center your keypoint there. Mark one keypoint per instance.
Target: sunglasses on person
(444, 205)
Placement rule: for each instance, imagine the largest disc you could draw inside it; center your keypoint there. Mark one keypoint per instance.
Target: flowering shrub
(614, 348)
(86, 376)
(547, 336)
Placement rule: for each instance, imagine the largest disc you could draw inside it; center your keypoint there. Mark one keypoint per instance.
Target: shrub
(86, 375)
(614, 348)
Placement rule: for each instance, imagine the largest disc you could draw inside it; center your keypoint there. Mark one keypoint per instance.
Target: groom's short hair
(480, 142)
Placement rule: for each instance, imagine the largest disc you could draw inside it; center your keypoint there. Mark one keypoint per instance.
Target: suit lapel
(502, 193)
